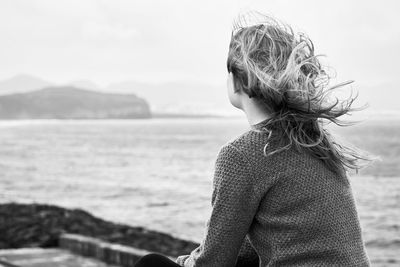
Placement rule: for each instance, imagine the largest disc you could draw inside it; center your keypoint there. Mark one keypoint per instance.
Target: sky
(152, 41)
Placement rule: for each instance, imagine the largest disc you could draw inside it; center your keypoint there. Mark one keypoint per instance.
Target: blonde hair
(278, 67)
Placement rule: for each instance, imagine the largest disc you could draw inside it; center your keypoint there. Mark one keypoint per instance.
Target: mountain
(180, 97)
(22, 83)
(173, 98)
(68, 102)
(84, 84)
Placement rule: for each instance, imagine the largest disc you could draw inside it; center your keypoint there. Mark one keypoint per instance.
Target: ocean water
(158, 173)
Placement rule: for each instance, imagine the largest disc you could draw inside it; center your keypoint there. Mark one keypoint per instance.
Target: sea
(157, 173)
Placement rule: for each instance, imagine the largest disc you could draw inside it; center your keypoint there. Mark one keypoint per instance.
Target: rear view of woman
(281, 195)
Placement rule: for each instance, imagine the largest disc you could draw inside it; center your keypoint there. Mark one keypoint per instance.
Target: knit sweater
(287, 209)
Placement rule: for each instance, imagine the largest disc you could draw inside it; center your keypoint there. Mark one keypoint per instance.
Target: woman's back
(287, 209)
(306, 214)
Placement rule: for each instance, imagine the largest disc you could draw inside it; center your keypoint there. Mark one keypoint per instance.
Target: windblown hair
(278, 67)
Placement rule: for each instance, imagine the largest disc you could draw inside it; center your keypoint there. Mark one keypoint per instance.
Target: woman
(281, 196)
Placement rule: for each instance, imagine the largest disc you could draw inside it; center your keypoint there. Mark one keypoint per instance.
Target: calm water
(158, 173)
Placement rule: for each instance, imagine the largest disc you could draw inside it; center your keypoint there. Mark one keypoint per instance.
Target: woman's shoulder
(249, 146)
(249, 141)
(238, 146)
(246, 151)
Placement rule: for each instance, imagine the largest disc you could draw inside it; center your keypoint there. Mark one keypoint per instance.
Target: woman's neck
(254, 111)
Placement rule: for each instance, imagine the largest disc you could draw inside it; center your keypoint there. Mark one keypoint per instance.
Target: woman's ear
(232, 87)
(236, 85)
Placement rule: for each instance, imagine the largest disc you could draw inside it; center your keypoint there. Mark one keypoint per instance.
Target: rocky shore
(37, 225)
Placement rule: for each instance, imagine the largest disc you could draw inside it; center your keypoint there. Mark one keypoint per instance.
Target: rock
(37, 225)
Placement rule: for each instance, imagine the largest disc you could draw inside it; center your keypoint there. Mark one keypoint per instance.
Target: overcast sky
(155, 41)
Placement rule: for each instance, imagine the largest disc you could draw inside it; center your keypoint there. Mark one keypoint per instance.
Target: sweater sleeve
(234, 204)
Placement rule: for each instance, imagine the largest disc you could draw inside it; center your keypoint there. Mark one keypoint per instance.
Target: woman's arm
(234, 204)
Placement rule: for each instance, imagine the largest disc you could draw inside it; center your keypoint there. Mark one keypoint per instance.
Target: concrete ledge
(107, 252)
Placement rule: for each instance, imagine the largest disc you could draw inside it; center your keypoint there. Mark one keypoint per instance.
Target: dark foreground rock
(36, 225)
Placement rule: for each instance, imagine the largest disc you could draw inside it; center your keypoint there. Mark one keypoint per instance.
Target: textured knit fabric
(287, 209)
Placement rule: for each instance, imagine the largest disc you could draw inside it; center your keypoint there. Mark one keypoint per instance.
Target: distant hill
(71, 103)
(169, 98)
(83, 84)
(180, 97)
(22, 83)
